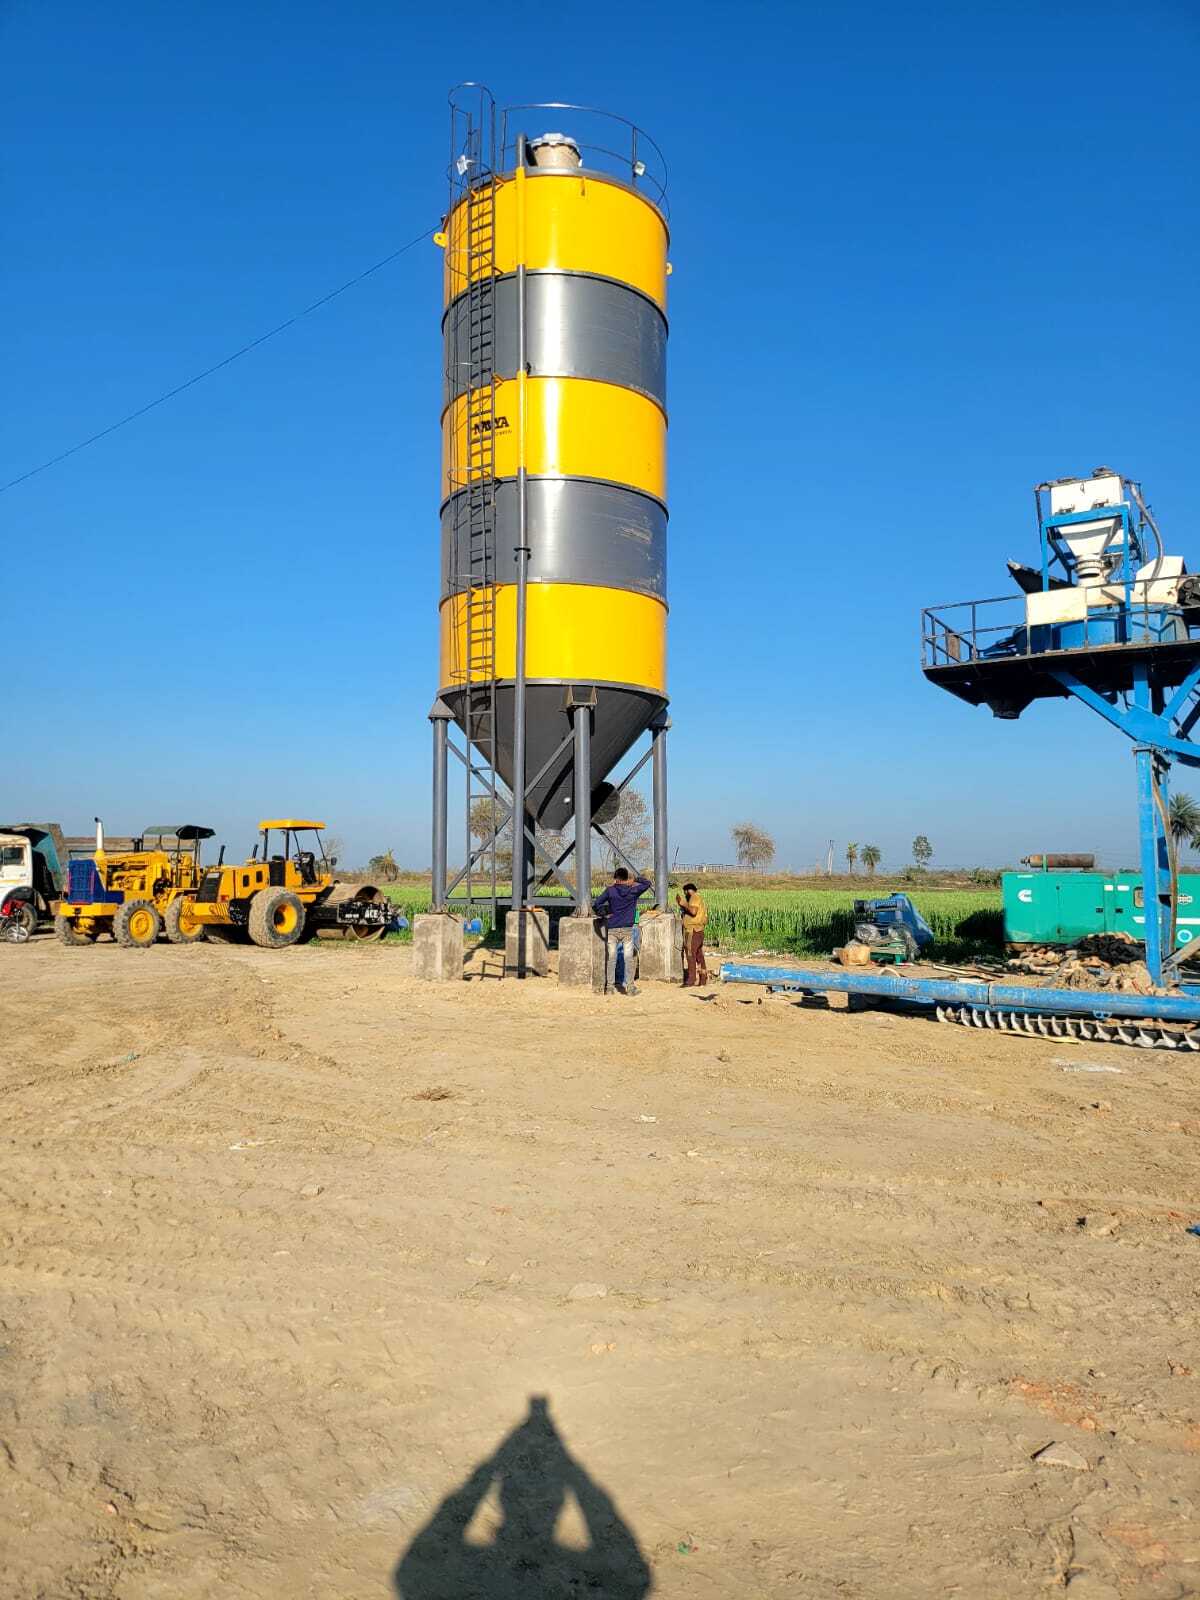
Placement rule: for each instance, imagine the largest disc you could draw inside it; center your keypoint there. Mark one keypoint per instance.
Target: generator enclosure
(1063, 907)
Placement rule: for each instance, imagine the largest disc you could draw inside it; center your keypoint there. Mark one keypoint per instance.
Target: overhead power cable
(208, 372)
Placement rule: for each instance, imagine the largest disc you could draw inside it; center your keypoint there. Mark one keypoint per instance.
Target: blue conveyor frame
(954, 991)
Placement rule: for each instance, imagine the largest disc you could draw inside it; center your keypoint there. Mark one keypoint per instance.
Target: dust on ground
(318, 1282)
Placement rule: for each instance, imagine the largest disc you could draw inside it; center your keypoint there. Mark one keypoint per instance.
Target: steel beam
(583, 810)
(440, 718)
(658, 746)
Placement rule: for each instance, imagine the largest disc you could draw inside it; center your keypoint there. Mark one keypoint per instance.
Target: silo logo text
(489, 425)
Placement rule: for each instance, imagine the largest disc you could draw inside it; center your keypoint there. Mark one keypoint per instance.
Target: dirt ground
(318, 1282)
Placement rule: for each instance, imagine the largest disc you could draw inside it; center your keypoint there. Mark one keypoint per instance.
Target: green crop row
(813, 921)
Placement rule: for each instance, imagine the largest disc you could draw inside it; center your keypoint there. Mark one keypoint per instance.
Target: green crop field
(965, 922)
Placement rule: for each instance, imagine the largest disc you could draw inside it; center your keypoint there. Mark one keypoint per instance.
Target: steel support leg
(1155, 862)
(441, 763)
(583, 810)
(658, 735)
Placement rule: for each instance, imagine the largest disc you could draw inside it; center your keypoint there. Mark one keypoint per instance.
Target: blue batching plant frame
(1133, 660)
(1127, 656)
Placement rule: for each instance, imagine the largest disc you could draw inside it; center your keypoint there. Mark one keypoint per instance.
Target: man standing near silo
(695, 920)
(618, 904)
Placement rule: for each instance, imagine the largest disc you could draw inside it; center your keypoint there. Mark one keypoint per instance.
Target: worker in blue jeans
(618, 905)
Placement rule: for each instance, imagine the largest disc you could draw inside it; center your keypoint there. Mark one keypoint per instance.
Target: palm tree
(1185, 819)
(871, 857)
(851, 857)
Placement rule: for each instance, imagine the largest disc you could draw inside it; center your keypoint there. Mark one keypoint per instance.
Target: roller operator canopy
(182, 830)
(288, 822)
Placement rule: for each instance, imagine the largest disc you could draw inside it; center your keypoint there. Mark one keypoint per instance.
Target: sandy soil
(318, 1282)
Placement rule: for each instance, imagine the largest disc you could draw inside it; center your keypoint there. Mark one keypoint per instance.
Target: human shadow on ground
(533, 1474)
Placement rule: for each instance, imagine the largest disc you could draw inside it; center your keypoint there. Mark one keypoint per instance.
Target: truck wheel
(69, 934)
(27, 916)
(276, 918)
(136, 925)
(181, 926)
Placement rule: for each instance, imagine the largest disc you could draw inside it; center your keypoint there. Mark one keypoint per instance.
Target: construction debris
(1100, 961)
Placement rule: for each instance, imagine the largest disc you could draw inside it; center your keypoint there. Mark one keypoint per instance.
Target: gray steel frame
(580, 702)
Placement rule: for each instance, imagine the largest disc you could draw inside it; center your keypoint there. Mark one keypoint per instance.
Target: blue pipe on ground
(993, 996)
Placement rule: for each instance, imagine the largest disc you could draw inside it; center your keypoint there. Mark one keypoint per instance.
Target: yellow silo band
(573, 224)
(575, 634)
(575, 428)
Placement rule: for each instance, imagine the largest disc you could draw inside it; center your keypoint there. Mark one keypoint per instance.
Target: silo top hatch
(598, 209)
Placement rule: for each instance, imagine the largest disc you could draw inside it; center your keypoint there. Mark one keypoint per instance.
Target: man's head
(620, 875)
(690, 888)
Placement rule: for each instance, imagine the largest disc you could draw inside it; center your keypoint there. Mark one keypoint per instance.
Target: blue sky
(924, 256)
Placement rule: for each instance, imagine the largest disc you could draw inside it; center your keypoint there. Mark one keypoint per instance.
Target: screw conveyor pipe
(994, 996)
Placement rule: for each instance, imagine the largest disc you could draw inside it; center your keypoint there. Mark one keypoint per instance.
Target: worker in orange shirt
(695, 919)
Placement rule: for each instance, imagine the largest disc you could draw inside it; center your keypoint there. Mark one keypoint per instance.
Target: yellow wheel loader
(134, 893)
(287, 894)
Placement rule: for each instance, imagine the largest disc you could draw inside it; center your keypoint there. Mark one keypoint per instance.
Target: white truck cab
(30, 870)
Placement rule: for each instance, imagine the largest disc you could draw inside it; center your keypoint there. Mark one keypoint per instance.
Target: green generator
(1044, 907)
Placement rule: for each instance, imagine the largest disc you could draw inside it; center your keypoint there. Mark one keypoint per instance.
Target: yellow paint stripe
(572, 225)
(574, 632)
(576, 428)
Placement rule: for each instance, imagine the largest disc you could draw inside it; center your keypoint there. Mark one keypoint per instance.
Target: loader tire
(181, 927)
(136, 925)
(68, 934)
(276, 918)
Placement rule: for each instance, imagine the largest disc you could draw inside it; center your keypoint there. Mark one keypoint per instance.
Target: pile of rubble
(1099, 961)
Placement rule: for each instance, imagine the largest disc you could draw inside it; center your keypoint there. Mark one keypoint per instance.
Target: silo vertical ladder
(477, 470)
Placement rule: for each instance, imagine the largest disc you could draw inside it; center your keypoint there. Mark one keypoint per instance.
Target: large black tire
(137, 924)
(179, 925)
(69, 934)
(27, 916)
(276, 918)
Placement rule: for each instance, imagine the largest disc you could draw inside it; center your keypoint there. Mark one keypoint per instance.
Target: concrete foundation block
(662, 949)
(527, 942)
(581, 953)
(438, 947)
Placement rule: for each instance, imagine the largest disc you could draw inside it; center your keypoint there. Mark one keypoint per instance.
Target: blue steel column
(1153, 849)
(1156, 866)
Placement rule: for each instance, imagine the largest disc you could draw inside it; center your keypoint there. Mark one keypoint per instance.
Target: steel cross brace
(1139, 722)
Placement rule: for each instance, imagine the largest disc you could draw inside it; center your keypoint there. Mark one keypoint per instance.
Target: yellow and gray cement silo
(553, 608)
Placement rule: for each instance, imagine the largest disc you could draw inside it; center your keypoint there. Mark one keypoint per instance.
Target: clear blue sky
(925, 256)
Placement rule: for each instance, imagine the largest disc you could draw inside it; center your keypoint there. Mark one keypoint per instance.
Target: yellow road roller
(286, 893)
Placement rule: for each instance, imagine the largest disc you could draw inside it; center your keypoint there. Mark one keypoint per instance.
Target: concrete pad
(438, 947)
(527, 942)
(662, 948)
(581, 953)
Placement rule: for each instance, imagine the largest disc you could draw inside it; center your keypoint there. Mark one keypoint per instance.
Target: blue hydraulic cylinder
(991, 996)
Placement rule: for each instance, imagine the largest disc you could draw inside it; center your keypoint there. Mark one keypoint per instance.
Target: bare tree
(922, 851)
(629, 830)
(754, 846)
(334, 846)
